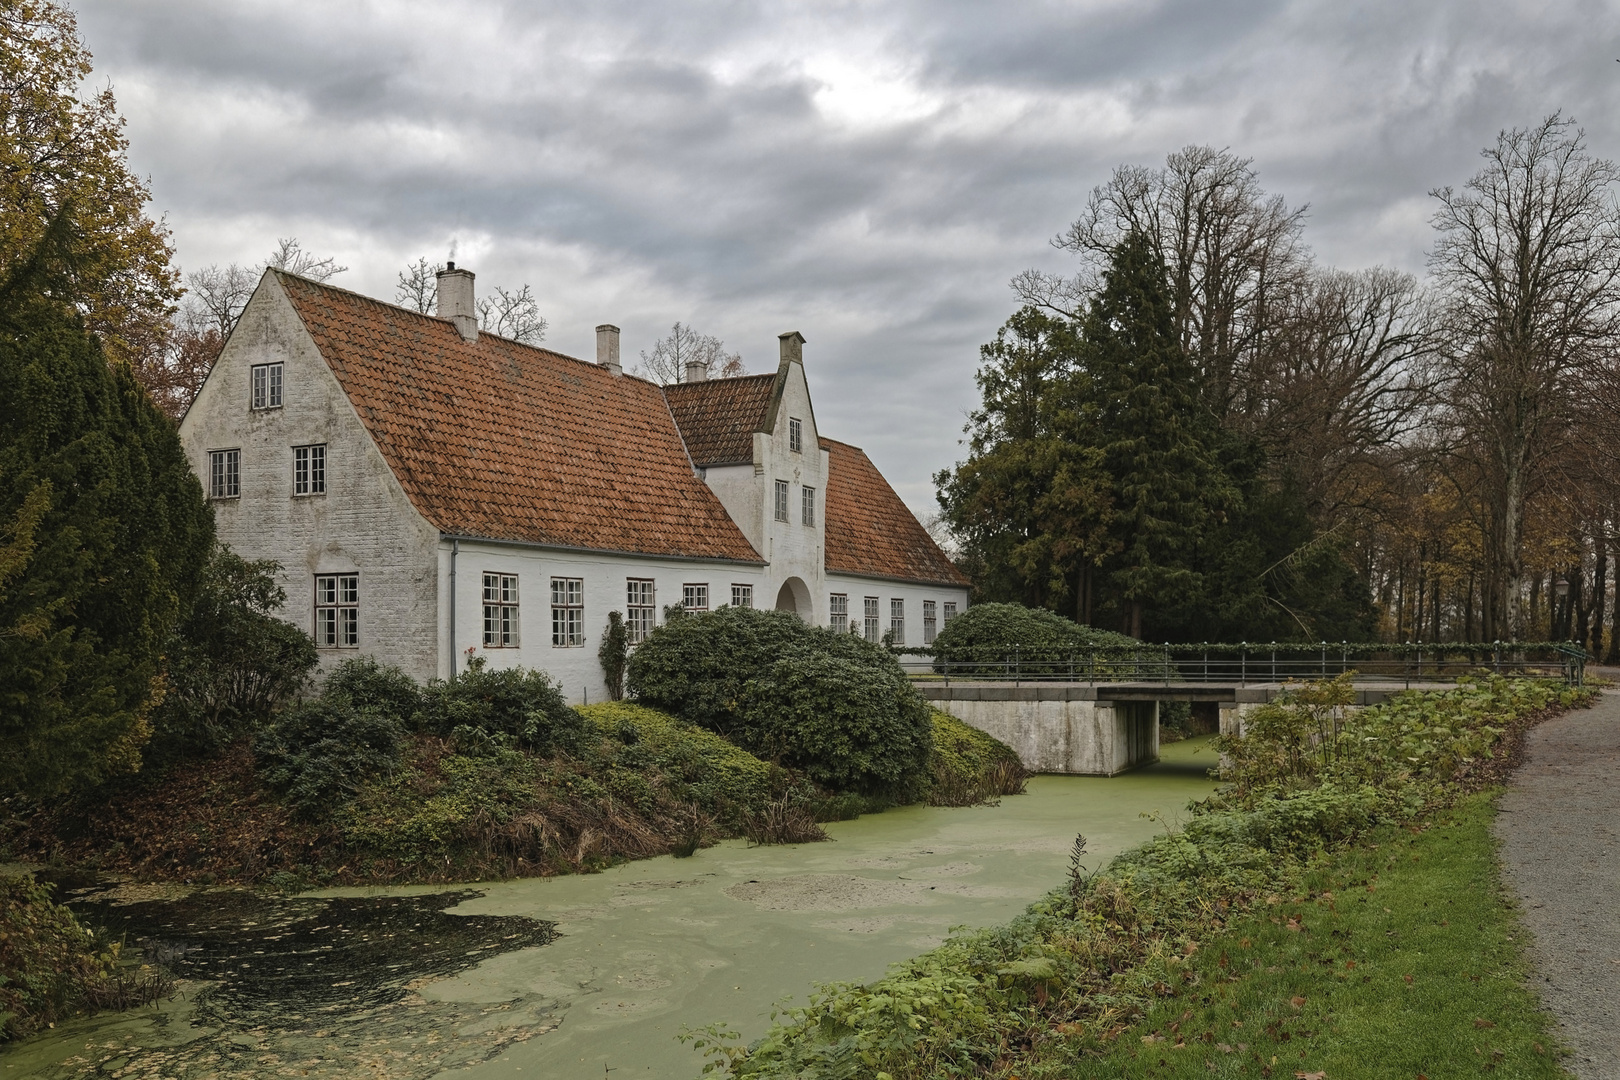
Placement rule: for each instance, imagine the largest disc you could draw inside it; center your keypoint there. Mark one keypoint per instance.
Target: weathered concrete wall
(1057, 730)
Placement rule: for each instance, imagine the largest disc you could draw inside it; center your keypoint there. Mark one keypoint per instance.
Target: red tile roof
(869, 530)
(510, 442)
(718, 417)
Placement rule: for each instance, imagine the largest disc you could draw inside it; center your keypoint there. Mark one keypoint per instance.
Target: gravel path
(1560, 833)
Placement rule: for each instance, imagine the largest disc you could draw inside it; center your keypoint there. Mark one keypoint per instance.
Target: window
(224, 474)
(742, 596)
(950, 611)
(807, 505)
(500, 611)
(309, 469)
(337, 611)
(781, 500)
(930, 622)
(838, 612)
(870, 619)
(695, 597)
(267, 386)
(795, 435)
(897, 622)
(567, 612)
(640, 610)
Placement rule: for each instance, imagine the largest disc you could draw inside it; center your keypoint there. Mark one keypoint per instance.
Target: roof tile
(869, 530)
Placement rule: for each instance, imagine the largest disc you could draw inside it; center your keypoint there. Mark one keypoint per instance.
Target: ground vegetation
(1133, 966)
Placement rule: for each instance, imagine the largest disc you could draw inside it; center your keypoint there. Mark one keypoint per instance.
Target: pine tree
(103, 563)
(1137, 400)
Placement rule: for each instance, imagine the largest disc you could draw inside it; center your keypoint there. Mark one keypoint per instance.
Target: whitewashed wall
(364, 523)
(913, 594)
(577, 668)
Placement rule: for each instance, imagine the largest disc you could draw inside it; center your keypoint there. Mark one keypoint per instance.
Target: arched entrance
(794, 596)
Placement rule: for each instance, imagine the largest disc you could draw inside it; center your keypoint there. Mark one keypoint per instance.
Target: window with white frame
(869, 619)
(640, 608)
(897, 621)
(567, 612)
(742, 596)
(500, 611)
(838, 612)
(930, 621)
(695, 597)
(795, 435)
(807, 505)
(781, 500)
(224, 474)
(309, 469)
(266, 383)
(950, 611)
(337, 611)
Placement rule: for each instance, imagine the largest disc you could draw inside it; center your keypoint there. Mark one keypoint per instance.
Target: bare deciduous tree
(514, 315)
(682, 346)
(418, 286)
(291, 257)
(1528, 264)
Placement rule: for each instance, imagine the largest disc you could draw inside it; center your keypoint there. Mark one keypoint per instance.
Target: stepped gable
(718, 417)
(869, 530)
(504, 441)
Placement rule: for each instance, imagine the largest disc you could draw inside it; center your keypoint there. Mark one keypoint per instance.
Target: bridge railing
(1248, 662)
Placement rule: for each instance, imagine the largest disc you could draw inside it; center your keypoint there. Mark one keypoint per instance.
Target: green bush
(366, 684)
(231, 663)
(833, 705)
(703, 767)
(523, 707)
(50, 966)
(969, 767)
(997, 633)
(318, 753)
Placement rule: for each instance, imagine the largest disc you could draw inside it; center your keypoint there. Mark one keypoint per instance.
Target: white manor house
(433, 492)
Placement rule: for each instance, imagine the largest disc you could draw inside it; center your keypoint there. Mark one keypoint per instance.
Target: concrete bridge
(1103, 729)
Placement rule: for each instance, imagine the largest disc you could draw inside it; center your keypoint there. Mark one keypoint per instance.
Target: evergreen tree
(105, 561)
(1138, 401)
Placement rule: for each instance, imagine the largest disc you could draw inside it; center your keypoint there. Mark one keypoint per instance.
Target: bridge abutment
(1058, 729)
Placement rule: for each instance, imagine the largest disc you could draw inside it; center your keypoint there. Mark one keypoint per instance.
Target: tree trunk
(1600, 589)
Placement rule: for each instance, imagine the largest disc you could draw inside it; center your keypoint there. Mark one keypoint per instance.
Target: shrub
(614, 654)
(699, 765)
(833, 705)
(524, 707)
(232, 662)
(969, 767)
(366, 684)
(996, 633)
(318, 753)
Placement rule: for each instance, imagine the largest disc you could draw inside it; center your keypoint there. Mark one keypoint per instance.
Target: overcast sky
(870, 174)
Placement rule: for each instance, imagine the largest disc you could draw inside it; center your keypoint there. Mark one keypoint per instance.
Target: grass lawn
(1402, 964)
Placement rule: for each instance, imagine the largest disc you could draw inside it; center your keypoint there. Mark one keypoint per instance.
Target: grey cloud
(677, 161)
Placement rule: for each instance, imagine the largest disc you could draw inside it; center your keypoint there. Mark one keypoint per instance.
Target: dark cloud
(870, 174)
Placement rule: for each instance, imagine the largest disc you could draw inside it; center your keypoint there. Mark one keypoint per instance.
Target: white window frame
(695, 596)
(309, 469)
(337, 611)
(266, 386)
(742, 596)
(640, 607)
(870, 624)
(807, 505)
(930, 621)
(897, 621)
(567, 612)
(950, 611)
(779, 500)
(795, 434)
(225, 474)
(500, 610)
(838, 612)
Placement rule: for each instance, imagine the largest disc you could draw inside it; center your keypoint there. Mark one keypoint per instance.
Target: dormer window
(795, 435)
(266, 386)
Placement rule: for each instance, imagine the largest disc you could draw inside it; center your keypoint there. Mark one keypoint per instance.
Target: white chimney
(457, 301)
(607, 348)
(792, 347)
(697, 371)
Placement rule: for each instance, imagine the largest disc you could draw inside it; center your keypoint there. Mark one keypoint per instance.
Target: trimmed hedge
(834, 706)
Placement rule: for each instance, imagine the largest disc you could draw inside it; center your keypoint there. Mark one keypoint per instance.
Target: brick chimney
(792, 347)
(457, 301)
(697, 371)
(607, 348)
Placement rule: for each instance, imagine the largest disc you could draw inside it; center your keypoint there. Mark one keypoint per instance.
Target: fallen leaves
(1310, 1076)
(1482, 1024)
(1297, 1002)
